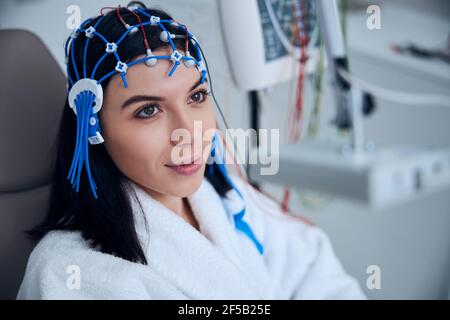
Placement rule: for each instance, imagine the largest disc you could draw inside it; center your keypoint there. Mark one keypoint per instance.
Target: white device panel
(378, 178)
(255, 52)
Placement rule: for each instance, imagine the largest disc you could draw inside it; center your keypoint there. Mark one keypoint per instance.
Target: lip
(187, 169)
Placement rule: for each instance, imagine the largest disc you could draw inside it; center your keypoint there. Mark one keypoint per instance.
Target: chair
(32, 96)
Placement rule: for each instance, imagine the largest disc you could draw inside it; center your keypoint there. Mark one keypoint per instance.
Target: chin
(185, 186)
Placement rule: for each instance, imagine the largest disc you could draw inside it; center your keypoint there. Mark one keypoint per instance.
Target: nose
(182, 125)
(186, 134)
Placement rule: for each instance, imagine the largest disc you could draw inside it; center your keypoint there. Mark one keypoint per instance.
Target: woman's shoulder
(60, 250)
(55, 245)
(59, 246)
(64, 265)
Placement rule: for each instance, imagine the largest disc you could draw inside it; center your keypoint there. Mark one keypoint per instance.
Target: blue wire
(124, 79)
(84, 102)
(98, 63)
(174, 67)
(147, 58)
(75, 169)
(101, 37)
(86, 158)
(131, 64)
(238, 217)
(83, 140)
(69, 78)
(143, 12)
(168, 36)
(245, 228)
(66, 54)
(106, 76)
(87, 43)
(85, 99)
(71, 175)
(77, 141)
(85, 22)
(84, 56)
(123, 36)
(72, 56)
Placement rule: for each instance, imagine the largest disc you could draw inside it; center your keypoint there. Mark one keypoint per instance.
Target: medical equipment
(218, 155)
(375, 178)
(354, 169)
(86, 96)
(86, 93)
(263, 30)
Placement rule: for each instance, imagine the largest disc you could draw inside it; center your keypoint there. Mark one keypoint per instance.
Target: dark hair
(107, 221)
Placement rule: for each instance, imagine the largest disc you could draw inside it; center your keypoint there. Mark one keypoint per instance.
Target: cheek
(137, 150)
(207, 117)
(140, 149)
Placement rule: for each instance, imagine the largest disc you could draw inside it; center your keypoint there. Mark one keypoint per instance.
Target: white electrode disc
(86, 85)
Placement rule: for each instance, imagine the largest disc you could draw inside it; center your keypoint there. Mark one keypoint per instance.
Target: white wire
(395, 95)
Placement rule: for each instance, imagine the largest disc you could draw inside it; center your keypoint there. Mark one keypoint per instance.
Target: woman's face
(138, 130)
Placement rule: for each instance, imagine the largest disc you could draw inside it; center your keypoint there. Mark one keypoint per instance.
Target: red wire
(289, 214)
(187, 39)
(142, 28)
(302, 34)
(119, 16)
(295, 130)
(294, 118)
(140, 23)
(284, 203)
(186, 44)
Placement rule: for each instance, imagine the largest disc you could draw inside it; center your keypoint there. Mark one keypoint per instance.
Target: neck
(175, 204)
(178, 205)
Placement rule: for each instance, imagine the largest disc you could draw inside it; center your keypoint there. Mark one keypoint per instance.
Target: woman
(144, 225)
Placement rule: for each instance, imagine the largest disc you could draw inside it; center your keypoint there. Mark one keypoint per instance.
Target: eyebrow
(139, 98)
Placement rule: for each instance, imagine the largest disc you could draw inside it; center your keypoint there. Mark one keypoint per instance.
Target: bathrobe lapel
(206, 265)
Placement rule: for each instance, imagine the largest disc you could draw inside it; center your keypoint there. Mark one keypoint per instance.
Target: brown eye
(148, 111)
(199, 96)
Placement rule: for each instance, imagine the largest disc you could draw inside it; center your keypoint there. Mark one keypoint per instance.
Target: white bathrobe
(220, 262)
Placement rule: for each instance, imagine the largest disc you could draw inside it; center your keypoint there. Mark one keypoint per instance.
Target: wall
(411, 243)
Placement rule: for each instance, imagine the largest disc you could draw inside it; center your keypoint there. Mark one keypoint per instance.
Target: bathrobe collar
(205, 264)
